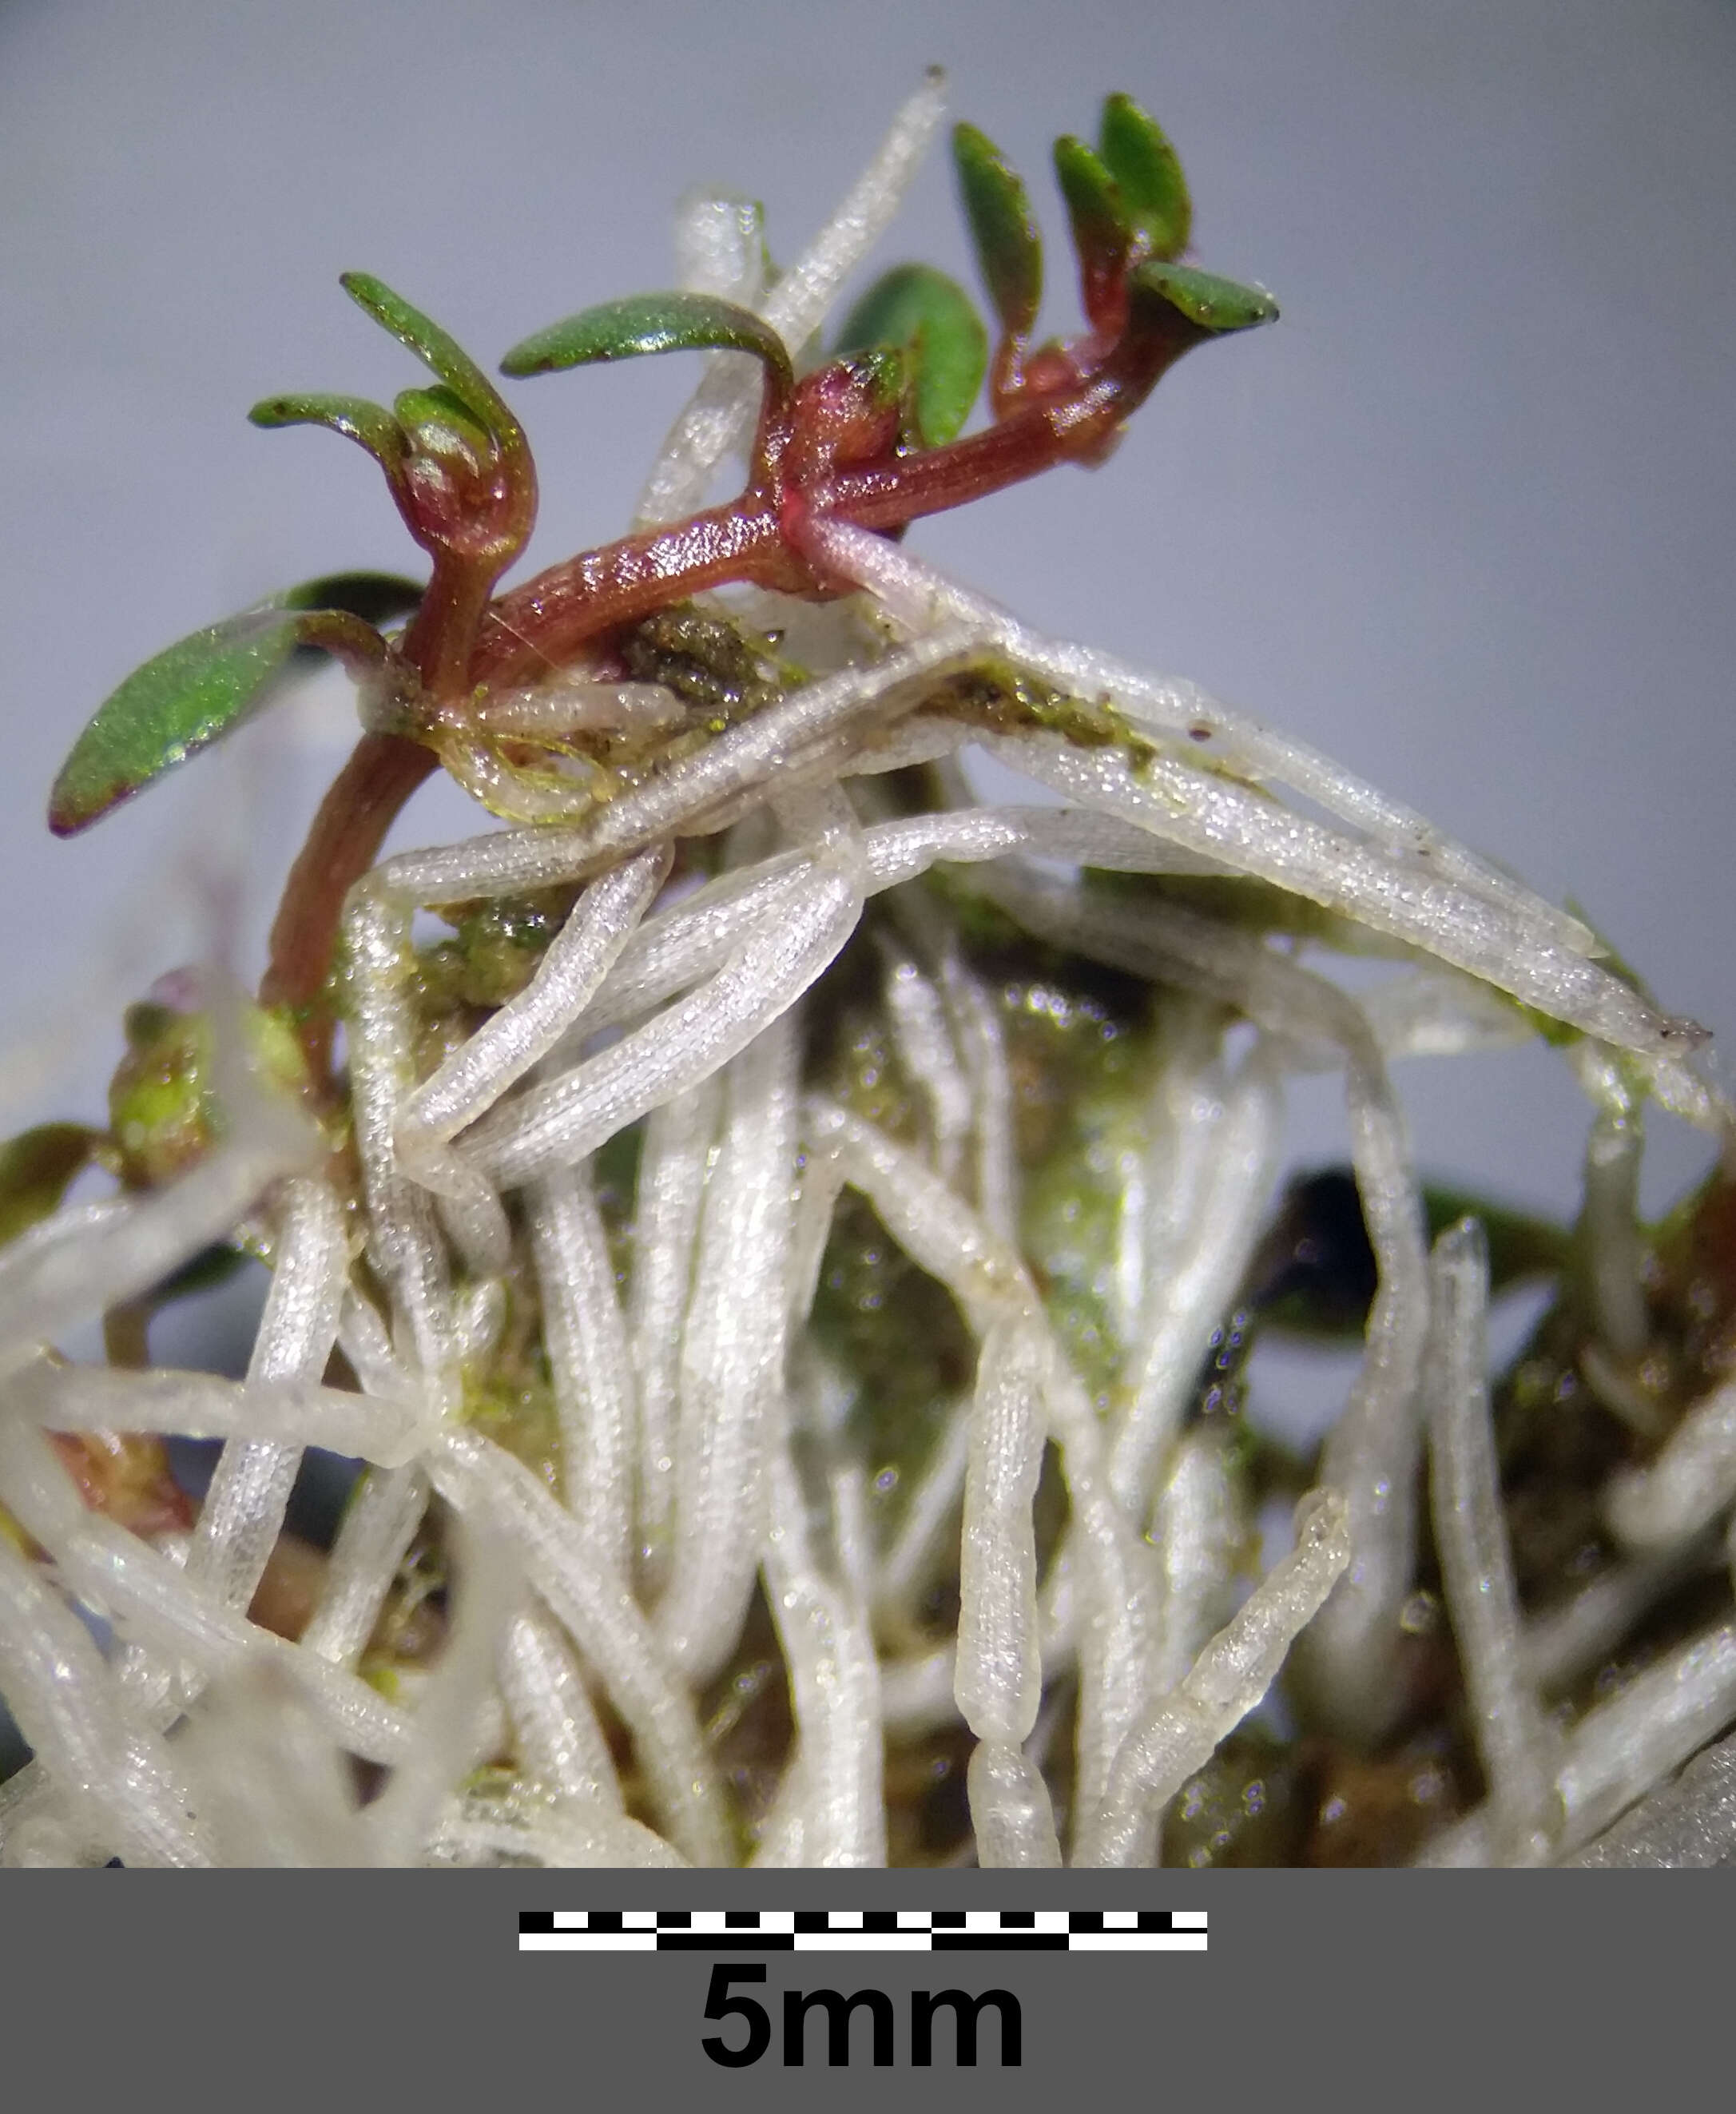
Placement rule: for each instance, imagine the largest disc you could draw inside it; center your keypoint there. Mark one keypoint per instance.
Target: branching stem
(820, 451)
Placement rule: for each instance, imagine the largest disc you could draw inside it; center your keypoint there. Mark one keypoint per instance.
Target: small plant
(786, 1256)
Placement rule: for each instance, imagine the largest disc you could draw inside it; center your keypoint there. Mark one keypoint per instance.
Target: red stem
(543, 622)
(360, 806)
(1031, 441)
(362, 803)
(439, 640)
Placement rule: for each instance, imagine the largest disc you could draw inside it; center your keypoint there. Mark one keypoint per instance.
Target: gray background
(1462, 518)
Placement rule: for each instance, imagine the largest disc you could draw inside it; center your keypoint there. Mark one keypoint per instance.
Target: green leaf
(930, 319)
(441, 353)
(370, 426)
(1102, 229)
(1148, 174)
(1217, 306)
(1008, 248)
(36, 1170)
(644, 323)
(187, 696)
(376, 597)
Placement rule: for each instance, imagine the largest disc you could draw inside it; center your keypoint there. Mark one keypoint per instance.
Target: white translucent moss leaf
(561, 1744)
(1231, 1676)
(1201, 1533)
(590, 1363)
(1513, 1743)
(1622, 1747)
(479, 1831)
(403, 1240)
(1689, 1483)
(1194, 1276)
(269, 1781)
(448, 1733)
(607, 1625)
(523, 1031)
(248, 1493)
(114, 1773)
(1690, 1825)
(1011, 1813)
(833, 1785)
(733, 1357)
(999, 1679)
(674, 1158)
(290, 1413)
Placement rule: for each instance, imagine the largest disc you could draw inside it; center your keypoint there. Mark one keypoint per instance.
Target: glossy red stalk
(543, 622)
(473, 528)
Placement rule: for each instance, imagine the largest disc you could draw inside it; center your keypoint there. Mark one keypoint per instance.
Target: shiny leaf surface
(187, 696)
(437, 350)
(369, 425)
(1215, 305)
(647, 323)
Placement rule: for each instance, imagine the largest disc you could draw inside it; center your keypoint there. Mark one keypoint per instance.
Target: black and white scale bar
(861, 1930)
